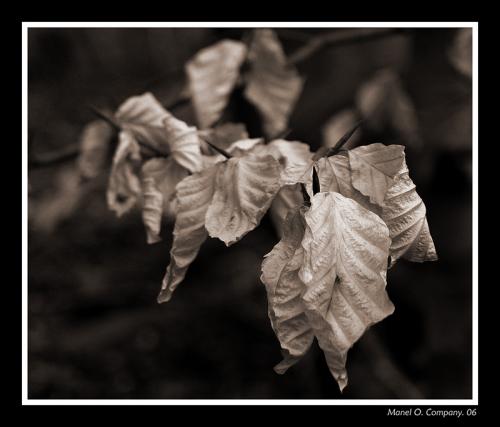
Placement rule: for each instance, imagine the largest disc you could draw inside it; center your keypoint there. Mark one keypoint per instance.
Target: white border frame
(343, 402)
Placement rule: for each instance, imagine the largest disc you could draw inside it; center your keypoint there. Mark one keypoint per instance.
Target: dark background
(95, 329)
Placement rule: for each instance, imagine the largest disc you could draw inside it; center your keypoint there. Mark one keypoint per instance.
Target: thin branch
(343, 140)
(219, 150)
(340, 37)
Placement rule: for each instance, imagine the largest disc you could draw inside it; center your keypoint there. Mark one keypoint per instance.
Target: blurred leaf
(460, 52)
(383, 104)
(212, 74)
(143, 117)
(184, 143)
(284, 288)
(152, 209)
(244, 189)
(160, 177)
(288, 198)
(272, 85)
(47, 213)
(344, 273)
(94, 148)
(124, 186)
(194, 195)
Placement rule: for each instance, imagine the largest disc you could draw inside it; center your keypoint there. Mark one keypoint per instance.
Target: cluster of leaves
(344, 216)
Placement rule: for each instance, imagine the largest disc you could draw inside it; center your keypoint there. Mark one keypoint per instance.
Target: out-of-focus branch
(340, 37)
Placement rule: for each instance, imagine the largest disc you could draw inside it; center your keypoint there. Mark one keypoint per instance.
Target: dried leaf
(124, 187)
(288, 198)
(344, 271)
(404, 213)
(152, 209)
(403, 210)
(184, 143)
(373, 168)
(94, 148)
(273, 85)
(284, 288)
(160, 177)
(245, 188)
(212, 74)
(244, 146)
(460, 53)
(194, 195)
(143, 116)
(295, 159)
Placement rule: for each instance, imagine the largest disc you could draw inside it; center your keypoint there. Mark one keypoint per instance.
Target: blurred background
(95, 329)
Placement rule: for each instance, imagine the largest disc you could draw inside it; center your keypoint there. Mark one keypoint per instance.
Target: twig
(336, 148)
(219, 150)
(337, 38)
(55, 157)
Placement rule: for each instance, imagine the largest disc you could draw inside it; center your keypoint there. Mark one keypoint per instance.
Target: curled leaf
(184, 143)
(194, 195)
(124, 187)
(373, 169)
(404, 213)
(273, 85)
(212, 74)
(94, 148)
(160, 177)
(284, 292)
(288, 198)
(344, 271)
(152, 209)
(295, 159)
(402, 210)
(142, 116)
(245, 188)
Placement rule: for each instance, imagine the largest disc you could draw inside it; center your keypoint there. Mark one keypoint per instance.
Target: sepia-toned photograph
(250, 212)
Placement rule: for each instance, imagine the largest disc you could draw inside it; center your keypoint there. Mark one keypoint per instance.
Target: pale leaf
(334, 174)
(124, 187)
(295, 159)
(194, 195)
(94, 148)
(373, 168)
(403, 210)
(286, 309)
(245, 188)
(273, 85)
(244, 146)
(184, 143)
(143, 117)
(160, 177)
(288, 198)
(404, 213)
(344, 271)
(212, 74)
(152, 209)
